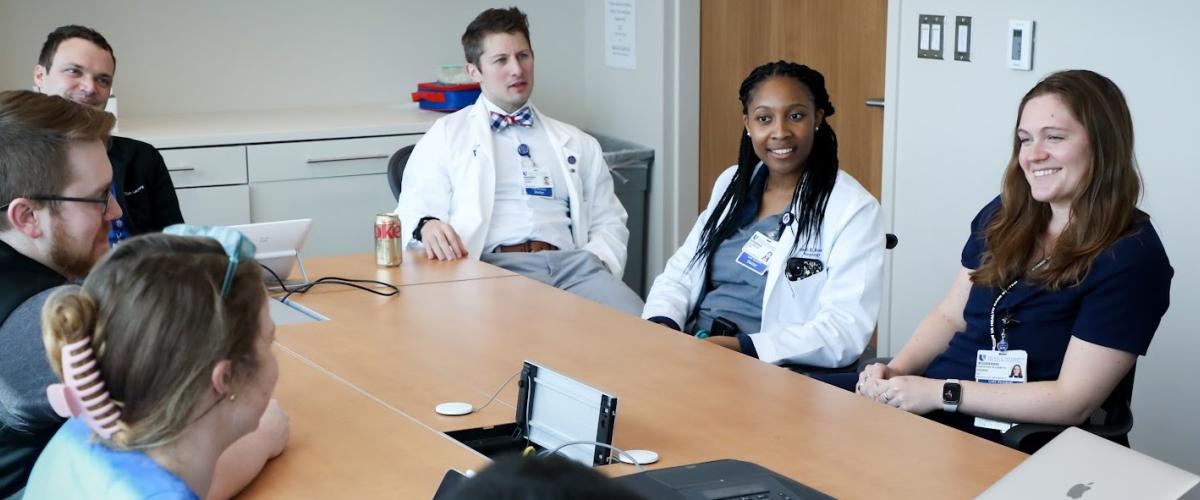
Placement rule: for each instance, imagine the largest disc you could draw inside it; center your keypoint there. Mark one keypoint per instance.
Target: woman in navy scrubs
(1062, 274)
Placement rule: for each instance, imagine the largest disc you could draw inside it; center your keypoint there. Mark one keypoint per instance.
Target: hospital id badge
(996, 367)
(537, 179)
(756, 253)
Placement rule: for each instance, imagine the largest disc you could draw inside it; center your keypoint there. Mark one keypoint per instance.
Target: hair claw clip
(71, 399)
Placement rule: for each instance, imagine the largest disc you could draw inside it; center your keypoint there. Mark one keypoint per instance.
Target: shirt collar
(492, 108)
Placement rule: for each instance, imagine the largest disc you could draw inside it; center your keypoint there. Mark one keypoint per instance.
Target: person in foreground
(55, 215)
(786, 263)
(1062, 275)
(165, 360)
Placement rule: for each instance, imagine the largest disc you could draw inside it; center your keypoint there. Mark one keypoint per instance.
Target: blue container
(446, 98)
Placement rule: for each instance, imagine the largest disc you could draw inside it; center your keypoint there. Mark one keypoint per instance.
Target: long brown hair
(158, 325)
(1102, 210)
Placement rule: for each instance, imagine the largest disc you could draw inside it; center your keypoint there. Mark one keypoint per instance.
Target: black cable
(332, 280)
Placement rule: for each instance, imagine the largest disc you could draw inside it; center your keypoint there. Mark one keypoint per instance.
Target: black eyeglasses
(102, 200)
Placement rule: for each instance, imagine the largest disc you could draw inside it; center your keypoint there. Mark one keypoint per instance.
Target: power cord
(619, 451)
(497, 393)
(332, 280)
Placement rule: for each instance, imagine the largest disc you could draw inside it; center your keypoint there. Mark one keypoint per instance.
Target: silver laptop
(278, 247)
(1080, 465)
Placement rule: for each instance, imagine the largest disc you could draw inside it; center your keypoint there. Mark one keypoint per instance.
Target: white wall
(654, 105)
(178, 56)
(947, 140)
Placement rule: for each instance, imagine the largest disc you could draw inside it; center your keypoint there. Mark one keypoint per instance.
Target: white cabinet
(215, 206)
(318, 159)
(326, 164)
(342, 209)
(198, 167)
(341, 184)
(210, 184)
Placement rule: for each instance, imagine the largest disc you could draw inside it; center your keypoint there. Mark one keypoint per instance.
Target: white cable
(497, 393)
(619, 451)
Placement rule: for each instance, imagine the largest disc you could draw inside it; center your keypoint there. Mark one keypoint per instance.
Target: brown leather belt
(528, 246)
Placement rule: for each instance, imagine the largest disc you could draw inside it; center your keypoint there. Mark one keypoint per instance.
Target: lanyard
(1002, 344)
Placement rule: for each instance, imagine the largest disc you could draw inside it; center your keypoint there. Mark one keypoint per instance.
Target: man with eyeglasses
(54, 191)
(77, 63)
(55, 213)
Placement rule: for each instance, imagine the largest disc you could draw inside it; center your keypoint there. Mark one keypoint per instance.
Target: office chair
(889, 242)
(1112, 421)
(395, 171)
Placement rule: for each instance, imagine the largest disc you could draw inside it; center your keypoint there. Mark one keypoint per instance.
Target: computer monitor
(278, 246)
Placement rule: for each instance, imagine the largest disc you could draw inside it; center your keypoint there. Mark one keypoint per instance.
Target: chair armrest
(1112, 428)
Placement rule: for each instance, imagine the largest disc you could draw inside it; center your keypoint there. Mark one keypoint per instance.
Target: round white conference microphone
(454, 409)
(459, 408)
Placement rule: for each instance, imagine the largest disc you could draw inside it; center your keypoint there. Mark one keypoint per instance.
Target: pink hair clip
(92, 404)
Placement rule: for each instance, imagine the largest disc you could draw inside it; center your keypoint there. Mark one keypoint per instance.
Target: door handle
(874, 103)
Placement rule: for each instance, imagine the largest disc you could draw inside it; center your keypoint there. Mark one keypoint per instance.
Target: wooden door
(843, 39)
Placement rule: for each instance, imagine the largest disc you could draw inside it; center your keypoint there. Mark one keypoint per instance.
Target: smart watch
(420, 224)
(951, 395)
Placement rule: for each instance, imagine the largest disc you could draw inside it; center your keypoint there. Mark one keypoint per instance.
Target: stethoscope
(1002, 344)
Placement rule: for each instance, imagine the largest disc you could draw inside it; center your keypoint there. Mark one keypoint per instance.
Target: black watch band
(420, 224)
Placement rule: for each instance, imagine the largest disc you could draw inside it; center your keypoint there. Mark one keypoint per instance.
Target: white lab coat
(451, 175)
(824, 320)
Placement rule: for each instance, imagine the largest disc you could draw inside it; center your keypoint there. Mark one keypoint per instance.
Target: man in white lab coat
(504, 183)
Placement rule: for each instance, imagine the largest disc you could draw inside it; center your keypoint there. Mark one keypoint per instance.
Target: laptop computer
(278, 246)
(1080, 465)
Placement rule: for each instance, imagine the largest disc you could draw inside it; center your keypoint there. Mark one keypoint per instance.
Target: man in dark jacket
(78, 63)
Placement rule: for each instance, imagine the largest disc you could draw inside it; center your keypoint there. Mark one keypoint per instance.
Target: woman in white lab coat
(786, 262)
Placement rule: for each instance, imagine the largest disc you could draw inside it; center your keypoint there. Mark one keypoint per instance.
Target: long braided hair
(816, 181)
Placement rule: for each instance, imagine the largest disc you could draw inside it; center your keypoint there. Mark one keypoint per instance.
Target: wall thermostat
(1020, 45)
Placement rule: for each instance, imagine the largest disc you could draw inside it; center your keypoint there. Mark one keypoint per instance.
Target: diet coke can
(387, 240)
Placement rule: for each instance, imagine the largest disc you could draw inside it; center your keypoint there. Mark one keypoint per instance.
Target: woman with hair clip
(1062, 276)
(165, 357)
(786, 263)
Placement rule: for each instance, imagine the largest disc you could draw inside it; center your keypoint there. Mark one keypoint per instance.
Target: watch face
(951, 393)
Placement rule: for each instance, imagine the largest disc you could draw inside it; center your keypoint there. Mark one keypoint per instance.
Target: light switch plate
(1020, 45)
(929, 33)
(962, 38)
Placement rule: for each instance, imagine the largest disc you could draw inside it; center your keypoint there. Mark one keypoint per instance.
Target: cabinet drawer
(342, 209)
(215, 206)
(206, 166)
(316, 159)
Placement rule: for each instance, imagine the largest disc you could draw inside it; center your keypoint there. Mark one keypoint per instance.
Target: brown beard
(73, 266)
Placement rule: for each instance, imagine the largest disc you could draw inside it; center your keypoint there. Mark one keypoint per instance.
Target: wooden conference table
(361, 388)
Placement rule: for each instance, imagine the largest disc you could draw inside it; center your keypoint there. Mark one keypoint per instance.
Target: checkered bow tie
(523, 117)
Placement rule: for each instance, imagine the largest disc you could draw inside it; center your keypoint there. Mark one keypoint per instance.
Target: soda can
(387, 240)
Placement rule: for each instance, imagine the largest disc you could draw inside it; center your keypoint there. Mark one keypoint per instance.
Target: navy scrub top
(1118, 304)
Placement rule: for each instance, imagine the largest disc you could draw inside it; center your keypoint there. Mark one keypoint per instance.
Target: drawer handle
(311, 161)
(181, 169)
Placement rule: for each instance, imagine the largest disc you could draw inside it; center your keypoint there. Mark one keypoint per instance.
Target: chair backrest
(395, 171)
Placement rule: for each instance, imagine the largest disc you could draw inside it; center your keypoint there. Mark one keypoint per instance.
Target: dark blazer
(144, 188)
